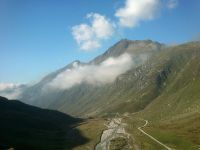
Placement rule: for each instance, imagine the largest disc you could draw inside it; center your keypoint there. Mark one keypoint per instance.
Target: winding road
(115, 127)
(151, 137)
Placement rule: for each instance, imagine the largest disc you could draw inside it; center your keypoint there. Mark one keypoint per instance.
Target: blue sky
(36, 36)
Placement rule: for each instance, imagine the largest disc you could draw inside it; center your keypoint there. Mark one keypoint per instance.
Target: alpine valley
(139, 94)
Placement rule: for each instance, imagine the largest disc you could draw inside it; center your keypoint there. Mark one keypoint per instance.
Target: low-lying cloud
(5, 86)
(10, 90)
(106, 72)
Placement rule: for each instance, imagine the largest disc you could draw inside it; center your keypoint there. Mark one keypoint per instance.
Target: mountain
(135, 81)
(138, 50)
(25, 127)
(178, 83)
(163, 83)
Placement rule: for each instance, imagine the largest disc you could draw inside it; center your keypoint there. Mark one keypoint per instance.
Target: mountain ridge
(114, 51)
(132, 91)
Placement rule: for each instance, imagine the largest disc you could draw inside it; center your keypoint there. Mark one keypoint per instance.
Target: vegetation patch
(119, 143)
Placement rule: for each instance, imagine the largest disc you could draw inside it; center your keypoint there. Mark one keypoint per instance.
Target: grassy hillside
(85, 99)
(166, 84)
(179, 87)
(165, 79)
(174, 114)
(180, 133)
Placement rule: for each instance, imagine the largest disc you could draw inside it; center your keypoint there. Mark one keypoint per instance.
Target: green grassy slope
(167, 82)
(162, 81)
(174, 114)
(180, 133)
(87, 99)
(180, 88)
(166, 92)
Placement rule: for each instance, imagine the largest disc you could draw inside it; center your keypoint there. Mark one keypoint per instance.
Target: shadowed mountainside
(26, 127)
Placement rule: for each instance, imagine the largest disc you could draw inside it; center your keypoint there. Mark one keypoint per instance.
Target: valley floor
(129, 132)
(92, 130)
(115, 136)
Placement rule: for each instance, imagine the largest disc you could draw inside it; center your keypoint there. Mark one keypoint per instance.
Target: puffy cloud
(82, 32)
(136, 11)
(171, 4)
(106, 72)
(101, 26)
(90, 45)
(89, 36)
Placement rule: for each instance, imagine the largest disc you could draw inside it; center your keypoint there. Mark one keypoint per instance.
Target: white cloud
(82, 32)
(136, 11)
(6, 86)
(12, 94)
(10, 90)
(101, 26)
(171, 4)
(89, 36)
(90, 45)
(106, 72)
